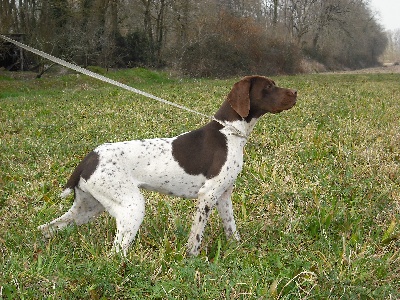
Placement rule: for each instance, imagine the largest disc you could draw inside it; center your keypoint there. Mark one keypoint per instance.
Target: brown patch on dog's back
(202, 151)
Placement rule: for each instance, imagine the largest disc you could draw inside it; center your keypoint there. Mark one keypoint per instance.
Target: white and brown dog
(202, 164)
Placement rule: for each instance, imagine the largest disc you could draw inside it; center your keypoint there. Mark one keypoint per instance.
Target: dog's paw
(193, 250)
(46, 230)
(236, 236)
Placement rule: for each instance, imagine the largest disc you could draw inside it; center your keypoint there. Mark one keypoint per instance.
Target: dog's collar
(234, 130)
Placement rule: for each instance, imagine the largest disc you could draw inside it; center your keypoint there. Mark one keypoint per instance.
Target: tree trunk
(275, 17)
(160, 30)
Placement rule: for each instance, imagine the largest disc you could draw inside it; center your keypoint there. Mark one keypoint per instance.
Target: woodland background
(201, 38)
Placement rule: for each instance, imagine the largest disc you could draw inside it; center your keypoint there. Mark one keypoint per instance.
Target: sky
(388, 13)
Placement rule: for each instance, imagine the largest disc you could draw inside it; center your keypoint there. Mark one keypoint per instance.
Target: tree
(234, 35)
(392, 53)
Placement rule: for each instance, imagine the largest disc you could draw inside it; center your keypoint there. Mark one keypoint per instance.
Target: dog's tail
(84, 170)
(66, 192)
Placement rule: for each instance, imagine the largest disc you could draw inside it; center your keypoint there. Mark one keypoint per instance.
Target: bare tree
(338, 33)
(392, 53)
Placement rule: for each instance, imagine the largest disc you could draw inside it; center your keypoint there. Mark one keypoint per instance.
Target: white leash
(116, 83)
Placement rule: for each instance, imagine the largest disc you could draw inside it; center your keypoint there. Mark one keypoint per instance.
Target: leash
(97, 76)
(78, 69)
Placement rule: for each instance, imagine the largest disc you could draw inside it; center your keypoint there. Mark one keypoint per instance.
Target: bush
(240, 46)
(214, 57)
(138, 50)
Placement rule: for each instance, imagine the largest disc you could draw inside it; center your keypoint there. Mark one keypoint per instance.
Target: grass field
(317, 204)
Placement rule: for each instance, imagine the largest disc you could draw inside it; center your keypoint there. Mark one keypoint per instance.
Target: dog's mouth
(294, 99)
(286, 105)
(291, 102)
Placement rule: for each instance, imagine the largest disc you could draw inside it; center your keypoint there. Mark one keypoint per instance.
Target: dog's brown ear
(239, 97)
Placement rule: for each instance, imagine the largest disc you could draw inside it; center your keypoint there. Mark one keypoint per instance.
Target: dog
(202, 164)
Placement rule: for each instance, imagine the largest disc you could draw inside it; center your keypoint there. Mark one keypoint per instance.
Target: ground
(384, 69)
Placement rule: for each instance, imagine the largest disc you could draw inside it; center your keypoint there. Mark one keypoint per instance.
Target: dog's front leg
(206, 203)
(225, 211)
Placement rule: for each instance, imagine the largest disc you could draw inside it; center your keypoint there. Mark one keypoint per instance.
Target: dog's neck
(240, 128)
(234, 124)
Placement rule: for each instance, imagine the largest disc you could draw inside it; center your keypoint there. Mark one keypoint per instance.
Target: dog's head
(254, 96)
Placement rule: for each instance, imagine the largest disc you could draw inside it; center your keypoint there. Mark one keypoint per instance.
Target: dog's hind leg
(84, 208)
(127, 206)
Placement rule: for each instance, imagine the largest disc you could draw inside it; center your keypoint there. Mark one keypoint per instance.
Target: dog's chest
(234, 160)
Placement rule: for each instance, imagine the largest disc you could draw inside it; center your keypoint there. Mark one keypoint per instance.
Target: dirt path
(389, 68)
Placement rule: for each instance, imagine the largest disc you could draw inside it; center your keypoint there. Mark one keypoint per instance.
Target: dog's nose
(294, 92)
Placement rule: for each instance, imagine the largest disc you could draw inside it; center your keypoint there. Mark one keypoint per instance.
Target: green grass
(317, 204)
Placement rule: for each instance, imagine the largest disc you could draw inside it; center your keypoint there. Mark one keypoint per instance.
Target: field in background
(317, 204)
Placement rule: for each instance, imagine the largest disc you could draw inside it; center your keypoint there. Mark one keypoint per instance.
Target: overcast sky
(388, 12)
